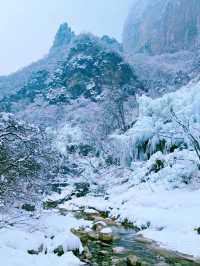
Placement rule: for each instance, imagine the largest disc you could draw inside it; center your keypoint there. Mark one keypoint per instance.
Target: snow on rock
(106, 230)
(89, 201)
(10, 238)
(65, 192)
(49, 232)
(91, 211)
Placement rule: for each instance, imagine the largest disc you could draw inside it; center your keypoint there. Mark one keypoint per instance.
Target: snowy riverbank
(162, 212)
(166, 209)
(45, 234)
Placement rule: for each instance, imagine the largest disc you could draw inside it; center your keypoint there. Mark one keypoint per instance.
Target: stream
(125, 245)
(104, 256)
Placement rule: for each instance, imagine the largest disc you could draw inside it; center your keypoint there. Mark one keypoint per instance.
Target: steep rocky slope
(161, 38)
(159, 26)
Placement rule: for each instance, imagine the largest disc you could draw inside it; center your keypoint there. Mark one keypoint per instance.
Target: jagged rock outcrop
(162, 26)
(10, 84)
(63, 37)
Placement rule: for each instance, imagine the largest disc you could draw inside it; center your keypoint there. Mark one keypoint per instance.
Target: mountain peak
(63, 36)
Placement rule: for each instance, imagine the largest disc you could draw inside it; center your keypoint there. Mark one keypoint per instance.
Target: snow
(106, 230)
(67, 135)
(156, 125)
(155, 188)
(90, 211)
(170, 216)
(50, 231)
(13, 257)
(65, 192)
(100, 223)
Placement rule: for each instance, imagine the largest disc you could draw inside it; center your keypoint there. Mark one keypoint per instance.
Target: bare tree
(194, 140)
(113, 110)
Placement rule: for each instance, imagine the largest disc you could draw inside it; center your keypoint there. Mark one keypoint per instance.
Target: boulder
(106, 235)
(59, 250)
(86, 253)
(144, 263)
(32, 252)
(103, 253)
(119, 250)
(118, 261)
(98, 226)
(133, 260)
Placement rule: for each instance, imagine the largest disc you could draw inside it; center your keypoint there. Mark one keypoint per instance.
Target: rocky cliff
(162, 26)
(161, 39)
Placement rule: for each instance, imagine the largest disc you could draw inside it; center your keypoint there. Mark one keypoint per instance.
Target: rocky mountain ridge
(77, 68)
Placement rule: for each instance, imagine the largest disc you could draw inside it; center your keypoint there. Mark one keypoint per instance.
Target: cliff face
(162, 26)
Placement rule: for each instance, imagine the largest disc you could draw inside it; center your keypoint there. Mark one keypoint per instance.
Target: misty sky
(27, 27)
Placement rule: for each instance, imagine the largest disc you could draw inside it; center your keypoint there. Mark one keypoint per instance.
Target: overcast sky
(27, 27)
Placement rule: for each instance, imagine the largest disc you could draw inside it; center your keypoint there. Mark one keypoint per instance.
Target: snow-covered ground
(15, 257)
(46, 233)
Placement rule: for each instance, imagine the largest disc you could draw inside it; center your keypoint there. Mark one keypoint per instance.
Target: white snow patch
(106, 230)
(51, 231)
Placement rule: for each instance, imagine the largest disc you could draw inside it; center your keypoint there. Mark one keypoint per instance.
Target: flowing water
(104, 255)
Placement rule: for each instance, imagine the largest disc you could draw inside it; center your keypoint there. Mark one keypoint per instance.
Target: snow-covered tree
(26, 162)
